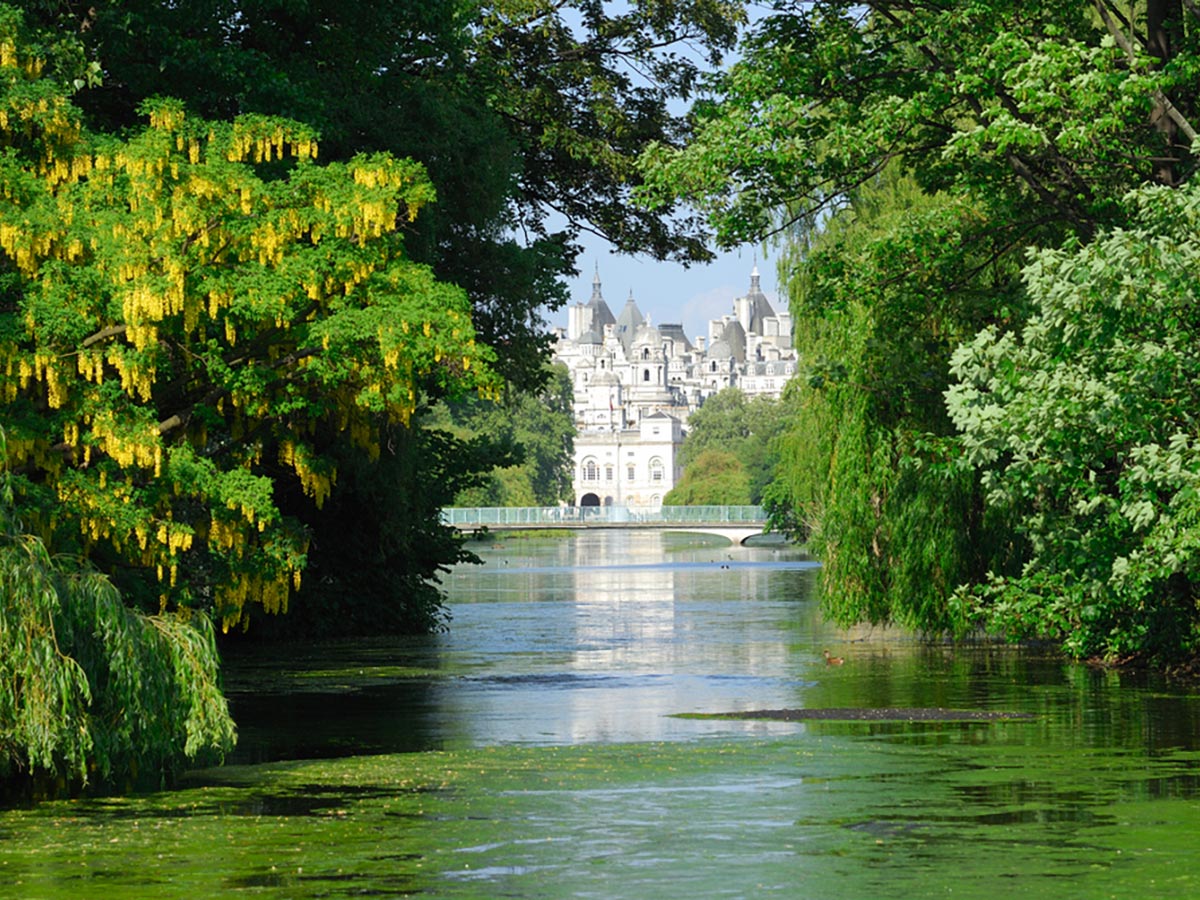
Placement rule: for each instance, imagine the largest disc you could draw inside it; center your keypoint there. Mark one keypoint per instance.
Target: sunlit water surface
(537, 750)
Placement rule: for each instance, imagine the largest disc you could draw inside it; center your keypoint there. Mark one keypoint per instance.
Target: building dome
(720, 351)
(646, 335)
(606, 378)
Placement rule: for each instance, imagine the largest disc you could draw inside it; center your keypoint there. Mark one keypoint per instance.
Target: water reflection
(598, 636)
(593, 641)
(602, 637)
(605, 636)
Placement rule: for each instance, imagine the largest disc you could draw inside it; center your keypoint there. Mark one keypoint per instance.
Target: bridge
(734, 523)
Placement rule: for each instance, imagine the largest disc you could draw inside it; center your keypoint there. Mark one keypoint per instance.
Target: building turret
(754, 309)
(590, 316)
(627, 322)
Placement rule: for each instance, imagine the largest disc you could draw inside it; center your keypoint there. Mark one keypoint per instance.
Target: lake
(558, 741)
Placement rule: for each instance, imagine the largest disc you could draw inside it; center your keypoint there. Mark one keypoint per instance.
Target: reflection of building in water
(604, 634)
(618, 609)
(625, 628)
(647, 613)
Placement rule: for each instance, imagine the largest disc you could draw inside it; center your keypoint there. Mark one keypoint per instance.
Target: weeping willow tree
(870, 468)
(90, 690)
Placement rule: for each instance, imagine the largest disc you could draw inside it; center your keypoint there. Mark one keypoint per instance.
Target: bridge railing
(533, 516)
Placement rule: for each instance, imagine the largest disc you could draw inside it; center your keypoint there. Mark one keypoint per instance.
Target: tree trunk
(1164, 32)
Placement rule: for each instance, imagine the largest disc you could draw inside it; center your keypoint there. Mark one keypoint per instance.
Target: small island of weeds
(871, 714)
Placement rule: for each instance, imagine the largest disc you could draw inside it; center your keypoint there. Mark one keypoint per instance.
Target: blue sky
(667, 292)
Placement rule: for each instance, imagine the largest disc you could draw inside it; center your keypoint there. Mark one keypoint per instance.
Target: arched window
(645, 353)
(645, 375)
(656, 469)
(591, 471)
(712, 366)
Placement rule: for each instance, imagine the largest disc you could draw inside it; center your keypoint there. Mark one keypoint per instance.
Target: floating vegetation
(852, 714)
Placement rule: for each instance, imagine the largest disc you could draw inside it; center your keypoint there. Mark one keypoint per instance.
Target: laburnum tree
(192, 316)
(527, 117)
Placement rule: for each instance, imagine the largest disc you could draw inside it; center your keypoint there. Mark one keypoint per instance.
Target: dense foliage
(531, 437)
(1036, 110)
(869, 450)
(89, 689)
(1084, 423)
(735, 426)
(191, 316)
(714, 478)
(907, 153)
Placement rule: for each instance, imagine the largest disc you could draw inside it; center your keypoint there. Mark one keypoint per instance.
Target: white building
(632, 467)
(635, 385)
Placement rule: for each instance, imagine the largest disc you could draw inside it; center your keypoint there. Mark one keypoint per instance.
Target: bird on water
(832, 660)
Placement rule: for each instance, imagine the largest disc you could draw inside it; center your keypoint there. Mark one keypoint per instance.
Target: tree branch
(102, 334)
(1026, 174)
(1167, 107)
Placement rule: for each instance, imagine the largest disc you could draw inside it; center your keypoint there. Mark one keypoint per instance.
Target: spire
(600, 315)
(596, 297)
(757, 306)
(628, 321)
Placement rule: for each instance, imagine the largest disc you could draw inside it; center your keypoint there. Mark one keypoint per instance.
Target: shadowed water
(535, 751)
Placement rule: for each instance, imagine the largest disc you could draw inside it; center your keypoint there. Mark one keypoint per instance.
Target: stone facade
(636, 383)
(632, 467)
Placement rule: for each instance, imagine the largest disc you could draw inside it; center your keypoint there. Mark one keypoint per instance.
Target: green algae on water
(797, 818)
